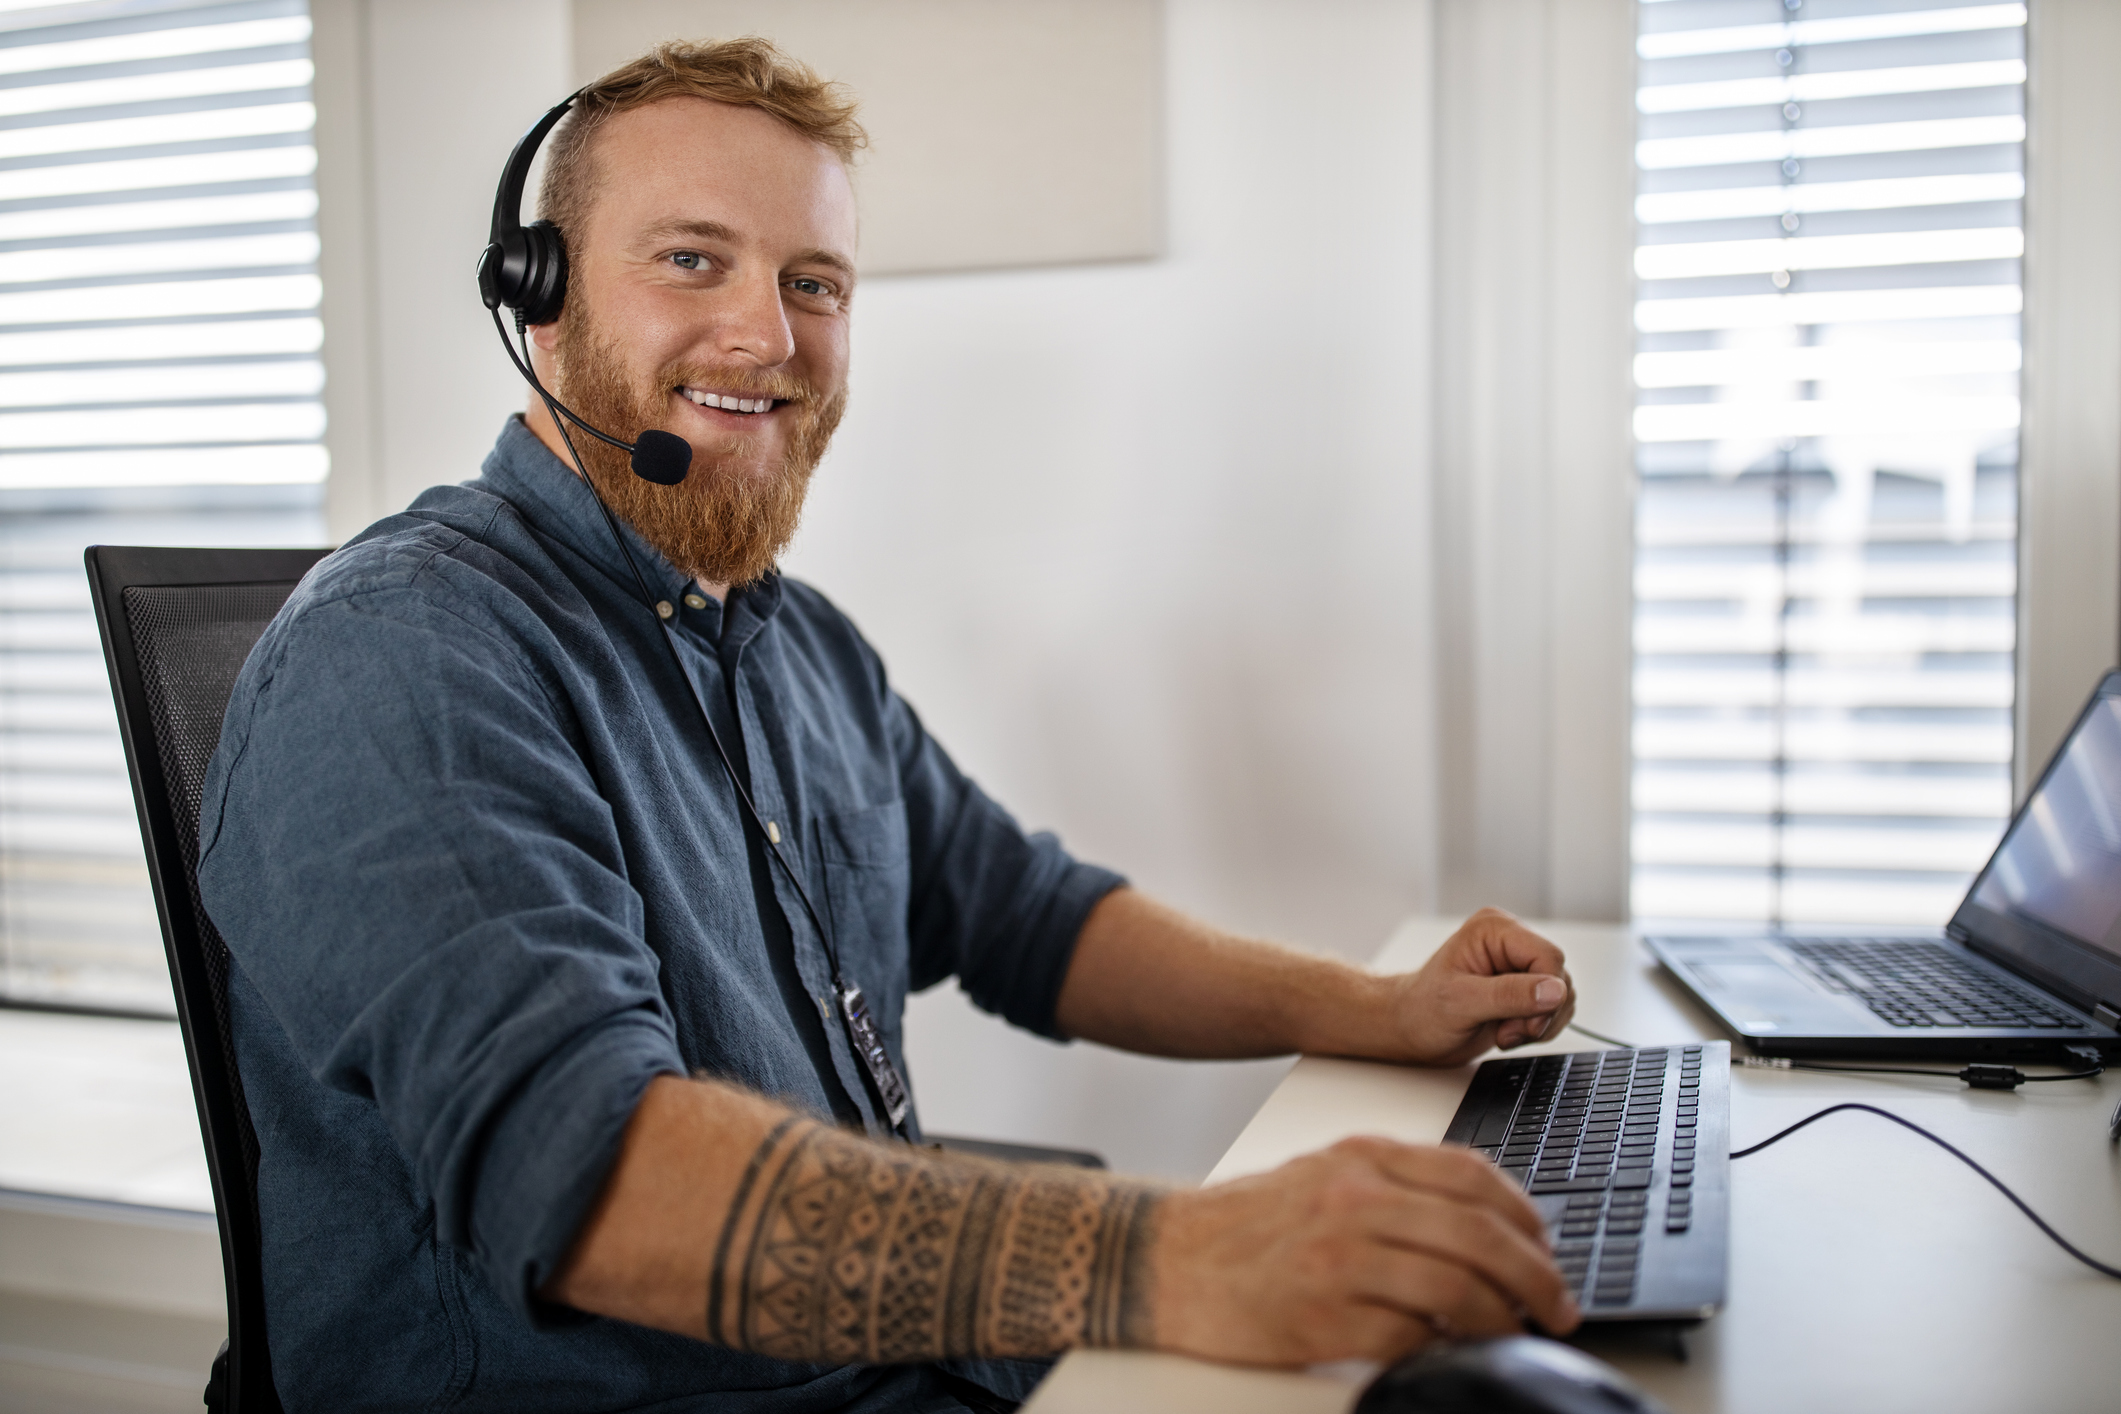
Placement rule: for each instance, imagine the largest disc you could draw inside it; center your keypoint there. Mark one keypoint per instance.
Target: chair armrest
(1017, 1153)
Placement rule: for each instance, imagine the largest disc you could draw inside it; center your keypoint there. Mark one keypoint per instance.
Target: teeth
(726, 402)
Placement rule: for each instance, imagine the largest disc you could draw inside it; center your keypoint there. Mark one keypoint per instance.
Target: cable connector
(1993, 1077)
(1767, 1063)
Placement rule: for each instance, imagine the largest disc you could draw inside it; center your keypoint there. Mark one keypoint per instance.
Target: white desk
(1869, 1269)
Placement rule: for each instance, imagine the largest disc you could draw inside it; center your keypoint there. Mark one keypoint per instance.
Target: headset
(524, 268)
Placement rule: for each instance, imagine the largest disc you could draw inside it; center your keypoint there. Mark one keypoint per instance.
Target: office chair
(176, 626)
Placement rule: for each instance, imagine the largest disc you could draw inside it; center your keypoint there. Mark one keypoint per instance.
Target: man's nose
(754, 323)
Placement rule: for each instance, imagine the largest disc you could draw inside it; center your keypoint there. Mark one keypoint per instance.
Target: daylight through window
(159, 384)
(1828, 199)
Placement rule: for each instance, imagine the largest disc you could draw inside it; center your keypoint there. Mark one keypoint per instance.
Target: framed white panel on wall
(1002, 135)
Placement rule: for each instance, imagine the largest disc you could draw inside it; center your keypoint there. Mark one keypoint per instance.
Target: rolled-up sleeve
(995, 907)
(412, 864)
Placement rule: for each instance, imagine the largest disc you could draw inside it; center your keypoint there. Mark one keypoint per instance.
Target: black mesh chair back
(177, 625)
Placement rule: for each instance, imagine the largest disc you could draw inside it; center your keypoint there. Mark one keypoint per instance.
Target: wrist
(1352, 1012)
(1178, 1301)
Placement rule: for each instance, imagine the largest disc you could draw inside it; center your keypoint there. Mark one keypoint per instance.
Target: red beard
(731, 517)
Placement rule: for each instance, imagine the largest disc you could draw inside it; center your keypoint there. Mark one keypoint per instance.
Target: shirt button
(773, 832)
(663, 609)
(694, 601)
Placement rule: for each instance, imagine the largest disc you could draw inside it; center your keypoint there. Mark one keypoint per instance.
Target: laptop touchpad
(1761, 987)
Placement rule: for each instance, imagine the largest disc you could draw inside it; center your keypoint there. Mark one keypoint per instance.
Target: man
(555, 1106)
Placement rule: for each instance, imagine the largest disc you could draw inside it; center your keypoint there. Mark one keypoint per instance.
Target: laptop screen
(2060, 865)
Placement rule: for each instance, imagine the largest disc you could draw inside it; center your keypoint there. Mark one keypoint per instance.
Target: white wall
(1147, 544)
(410, 141)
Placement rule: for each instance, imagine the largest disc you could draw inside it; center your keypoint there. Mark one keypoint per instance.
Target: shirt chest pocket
(868, 870)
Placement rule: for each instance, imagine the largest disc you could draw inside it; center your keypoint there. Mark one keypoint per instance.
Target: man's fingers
(1455, 1173)
(1483, 1242)
(1427, 1285)
(1515, 995)
(1505, 945)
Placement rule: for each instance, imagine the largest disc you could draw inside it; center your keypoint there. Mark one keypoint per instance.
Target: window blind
(159, 384)
(1828, 206)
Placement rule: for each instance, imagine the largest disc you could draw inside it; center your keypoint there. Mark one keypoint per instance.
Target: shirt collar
(546, 491)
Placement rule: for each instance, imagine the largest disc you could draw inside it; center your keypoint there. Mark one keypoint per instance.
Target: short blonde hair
(748, 72)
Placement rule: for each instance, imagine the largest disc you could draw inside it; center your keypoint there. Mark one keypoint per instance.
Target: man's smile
(733, 405)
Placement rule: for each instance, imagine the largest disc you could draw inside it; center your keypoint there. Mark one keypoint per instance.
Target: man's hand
(728, 1218)
(1147, 978)
(1495, 982)
(1367, 1249)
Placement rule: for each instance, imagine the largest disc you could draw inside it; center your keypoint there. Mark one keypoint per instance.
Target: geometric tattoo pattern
(841, 1250)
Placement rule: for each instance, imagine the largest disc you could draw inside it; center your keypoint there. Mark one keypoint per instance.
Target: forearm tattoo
(841, 1250)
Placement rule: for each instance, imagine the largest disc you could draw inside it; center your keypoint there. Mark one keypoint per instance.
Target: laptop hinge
(2107, 1016)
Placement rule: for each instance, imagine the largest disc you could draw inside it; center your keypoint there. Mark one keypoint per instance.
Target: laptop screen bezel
(2079, 971)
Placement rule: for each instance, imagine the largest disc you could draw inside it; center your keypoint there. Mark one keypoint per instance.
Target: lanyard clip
(869, 1046)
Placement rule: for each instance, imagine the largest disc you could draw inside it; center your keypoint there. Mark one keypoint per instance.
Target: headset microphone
(525, 268)
(661, 457)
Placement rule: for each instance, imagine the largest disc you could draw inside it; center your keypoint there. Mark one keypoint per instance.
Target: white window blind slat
(159, 384)
(1827, 409)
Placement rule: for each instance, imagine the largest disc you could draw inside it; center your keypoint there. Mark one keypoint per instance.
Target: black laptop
(2030, 963)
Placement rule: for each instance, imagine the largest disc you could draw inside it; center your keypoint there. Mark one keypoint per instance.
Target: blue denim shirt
(482, 879)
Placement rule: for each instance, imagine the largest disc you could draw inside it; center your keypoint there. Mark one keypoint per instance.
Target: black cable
(641, 581)
(677, 661)
(1981, 1075)
(1607, 1040)
(2059, 1240)
(561, 413)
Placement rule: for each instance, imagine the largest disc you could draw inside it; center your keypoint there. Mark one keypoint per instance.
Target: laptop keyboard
(1922, 984)
(1615, 1151)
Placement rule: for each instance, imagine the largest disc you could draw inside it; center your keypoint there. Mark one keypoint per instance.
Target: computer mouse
(1518, 1374)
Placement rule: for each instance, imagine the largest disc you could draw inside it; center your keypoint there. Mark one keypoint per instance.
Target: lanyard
(867, 1043)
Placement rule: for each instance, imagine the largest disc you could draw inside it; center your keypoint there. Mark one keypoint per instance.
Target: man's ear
(546, 336)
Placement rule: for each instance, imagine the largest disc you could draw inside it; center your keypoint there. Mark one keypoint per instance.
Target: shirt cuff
(1053, 933)
(550, 1154)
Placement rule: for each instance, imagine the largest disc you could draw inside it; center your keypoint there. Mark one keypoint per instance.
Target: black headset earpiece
(524, 267)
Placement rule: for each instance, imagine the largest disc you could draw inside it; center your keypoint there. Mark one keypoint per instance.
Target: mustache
(752, 382)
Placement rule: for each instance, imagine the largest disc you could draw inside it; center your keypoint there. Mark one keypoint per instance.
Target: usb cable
(1961, 1155)
(1981, 1076)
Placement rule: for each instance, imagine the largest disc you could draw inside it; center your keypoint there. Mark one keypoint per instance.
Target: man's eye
(689, 260)
(810, 287)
